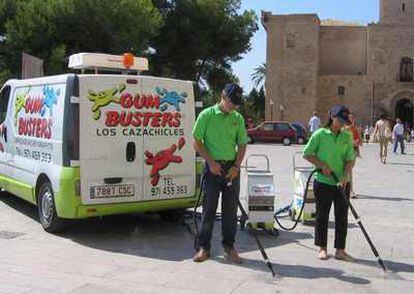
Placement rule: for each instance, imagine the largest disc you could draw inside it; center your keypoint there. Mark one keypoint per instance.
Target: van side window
(4, 102)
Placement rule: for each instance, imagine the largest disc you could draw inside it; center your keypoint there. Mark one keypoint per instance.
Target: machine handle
(258, 155)
(294, 161)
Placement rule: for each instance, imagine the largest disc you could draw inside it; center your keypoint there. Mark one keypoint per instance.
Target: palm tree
(259, 76)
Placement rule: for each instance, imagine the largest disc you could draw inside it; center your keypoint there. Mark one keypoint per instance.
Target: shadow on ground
(149, 236)
(361, 196)
(305, 272)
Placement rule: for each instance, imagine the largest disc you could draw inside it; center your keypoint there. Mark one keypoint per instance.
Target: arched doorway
(404, 109)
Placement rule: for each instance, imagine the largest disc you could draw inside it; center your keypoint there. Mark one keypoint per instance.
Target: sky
(360, 11)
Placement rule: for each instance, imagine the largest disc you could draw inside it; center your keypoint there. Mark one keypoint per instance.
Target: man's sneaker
(232, 255)
(342, 255)
(323, 254)
(201, 255)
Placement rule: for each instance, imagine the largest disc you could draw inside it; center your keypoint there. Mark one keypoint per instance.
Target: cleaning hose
(302, 207)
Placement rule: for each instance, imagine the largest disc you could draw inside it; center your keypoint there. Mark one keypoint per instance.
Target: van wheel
(301, 140)
(250, 140)
(172, 215)
(286, 141)
(49, 220)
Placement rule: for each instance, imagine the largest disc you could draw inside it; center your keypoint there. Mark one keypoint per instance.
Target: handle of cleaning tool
(259, 244)
(258, 155)
(360, 225)
(305, 196)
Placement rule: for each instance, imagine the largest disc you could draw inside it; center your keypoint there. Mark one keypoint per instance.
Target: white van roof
(63, 78)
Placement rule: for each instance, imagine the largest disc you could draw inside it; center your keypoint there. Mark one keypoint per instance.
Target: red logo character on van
(162, 159)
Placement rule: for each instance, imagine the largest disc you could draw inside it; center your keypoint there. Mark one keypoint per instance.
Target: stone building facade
(313, 65)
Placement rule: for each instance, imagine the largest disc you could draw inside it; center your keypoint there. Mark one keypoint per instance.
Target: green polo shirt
(220, 132)
(332, 149)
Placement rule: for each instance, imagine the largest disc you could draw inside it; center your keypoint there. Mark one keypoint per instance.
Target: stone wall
(357, 96)
(392, 11)
(292, 64)
(388, 44)
(343, 50)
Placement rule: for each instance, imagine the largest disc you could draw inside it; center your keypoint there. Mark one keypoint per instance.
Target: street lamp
(271, 109)
(282, 112)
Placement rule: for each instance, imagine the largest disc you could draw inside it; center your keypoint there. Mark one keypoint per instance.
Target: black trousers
(324, 196)
(213, 185)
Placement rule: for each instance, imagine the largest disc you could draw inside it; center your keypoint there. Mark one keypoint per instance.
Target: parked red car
(274, 132)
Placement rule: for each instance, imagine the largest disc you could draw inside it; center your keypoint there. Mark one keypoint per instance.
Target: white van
(83, 145)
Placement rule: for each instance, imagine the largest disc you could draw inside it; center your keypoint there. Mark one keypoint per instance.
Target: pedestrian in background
(356, 140)
(367, 134)
(382, 132)
(331, 150)
(220, 138)
(314, 123)
(398, 134)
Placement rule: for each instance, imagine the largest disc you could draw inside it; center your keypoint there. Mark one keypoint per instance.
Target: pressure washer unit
(301, 175)
(258, 196)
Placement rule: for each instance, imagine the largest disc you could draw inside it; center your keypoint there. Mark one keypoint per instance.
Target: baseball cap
(235, 93)
(342, 113)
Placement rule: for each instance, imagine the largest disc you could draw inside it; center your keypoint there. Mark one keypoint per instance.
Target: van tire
(48, 217)
(301, 140)
(286, 141)
(172, 215)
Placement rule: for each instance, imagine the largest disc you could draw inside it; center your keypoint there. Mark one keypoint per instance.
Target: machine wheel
(48, 217)
(286, 141)
(172, 215)
(301, 140)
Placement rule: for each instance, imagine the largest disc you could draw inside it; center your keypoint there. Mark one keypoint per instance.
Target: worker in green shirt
(220, 138)
(331, 150)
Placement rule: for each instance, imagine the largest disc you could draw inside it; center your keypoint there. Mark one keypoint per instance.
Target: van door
(4, 121)
(168, 155)
(109, 142)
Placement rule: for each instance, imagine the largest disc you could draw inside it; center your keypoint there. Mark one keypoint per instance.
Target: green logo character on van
(19, 103)
(103, 98)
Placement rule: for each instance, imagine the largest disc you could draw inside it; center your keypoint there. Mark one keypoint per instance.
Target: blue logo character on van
(50, 98)
(170, 98)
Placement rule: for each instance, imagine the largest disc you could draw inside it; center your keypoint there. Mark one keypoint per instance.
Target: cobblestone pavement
(142, 254)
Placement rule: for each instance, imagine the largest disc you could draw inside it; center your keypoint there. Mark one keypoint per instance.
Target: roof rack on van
(125, 63)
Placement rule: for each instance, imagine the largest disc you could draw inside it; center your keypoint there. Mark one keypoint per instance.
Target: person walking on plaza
(367, 134)
(356, 140)
(382, 132)
(314, 123)
(331, 150)
(398, 134)
(220, 138)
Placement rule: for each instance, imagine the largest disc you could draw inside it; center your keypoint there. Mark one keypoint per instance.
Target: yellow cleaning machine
(301, 175)
(258, 196)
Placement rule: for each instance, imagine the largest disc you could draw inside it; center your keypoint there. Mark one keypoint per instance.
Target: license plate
(106, 191)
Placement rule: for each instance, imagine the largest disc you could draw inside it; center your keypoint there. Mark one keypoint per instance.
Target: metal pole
(360, 225)
(259, 244)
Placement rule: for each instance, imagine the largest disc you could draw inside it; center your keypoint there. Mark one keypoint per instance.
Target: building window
(403, 7)
(290, 40)
(341, 90)
(406, 70)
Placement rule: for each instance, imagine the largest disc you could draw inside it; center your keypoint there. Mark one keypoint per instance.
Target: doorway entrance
(404, 109)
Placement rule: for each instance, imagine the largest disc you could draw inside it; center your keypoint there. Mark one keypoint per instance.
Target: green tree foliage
(259, 76)
(254, 106)
(54, 29)
(200, 39)
(194, 39)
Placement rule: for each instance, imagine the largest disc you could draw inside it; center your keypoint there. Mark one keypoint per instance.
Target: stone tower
(401, 11)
